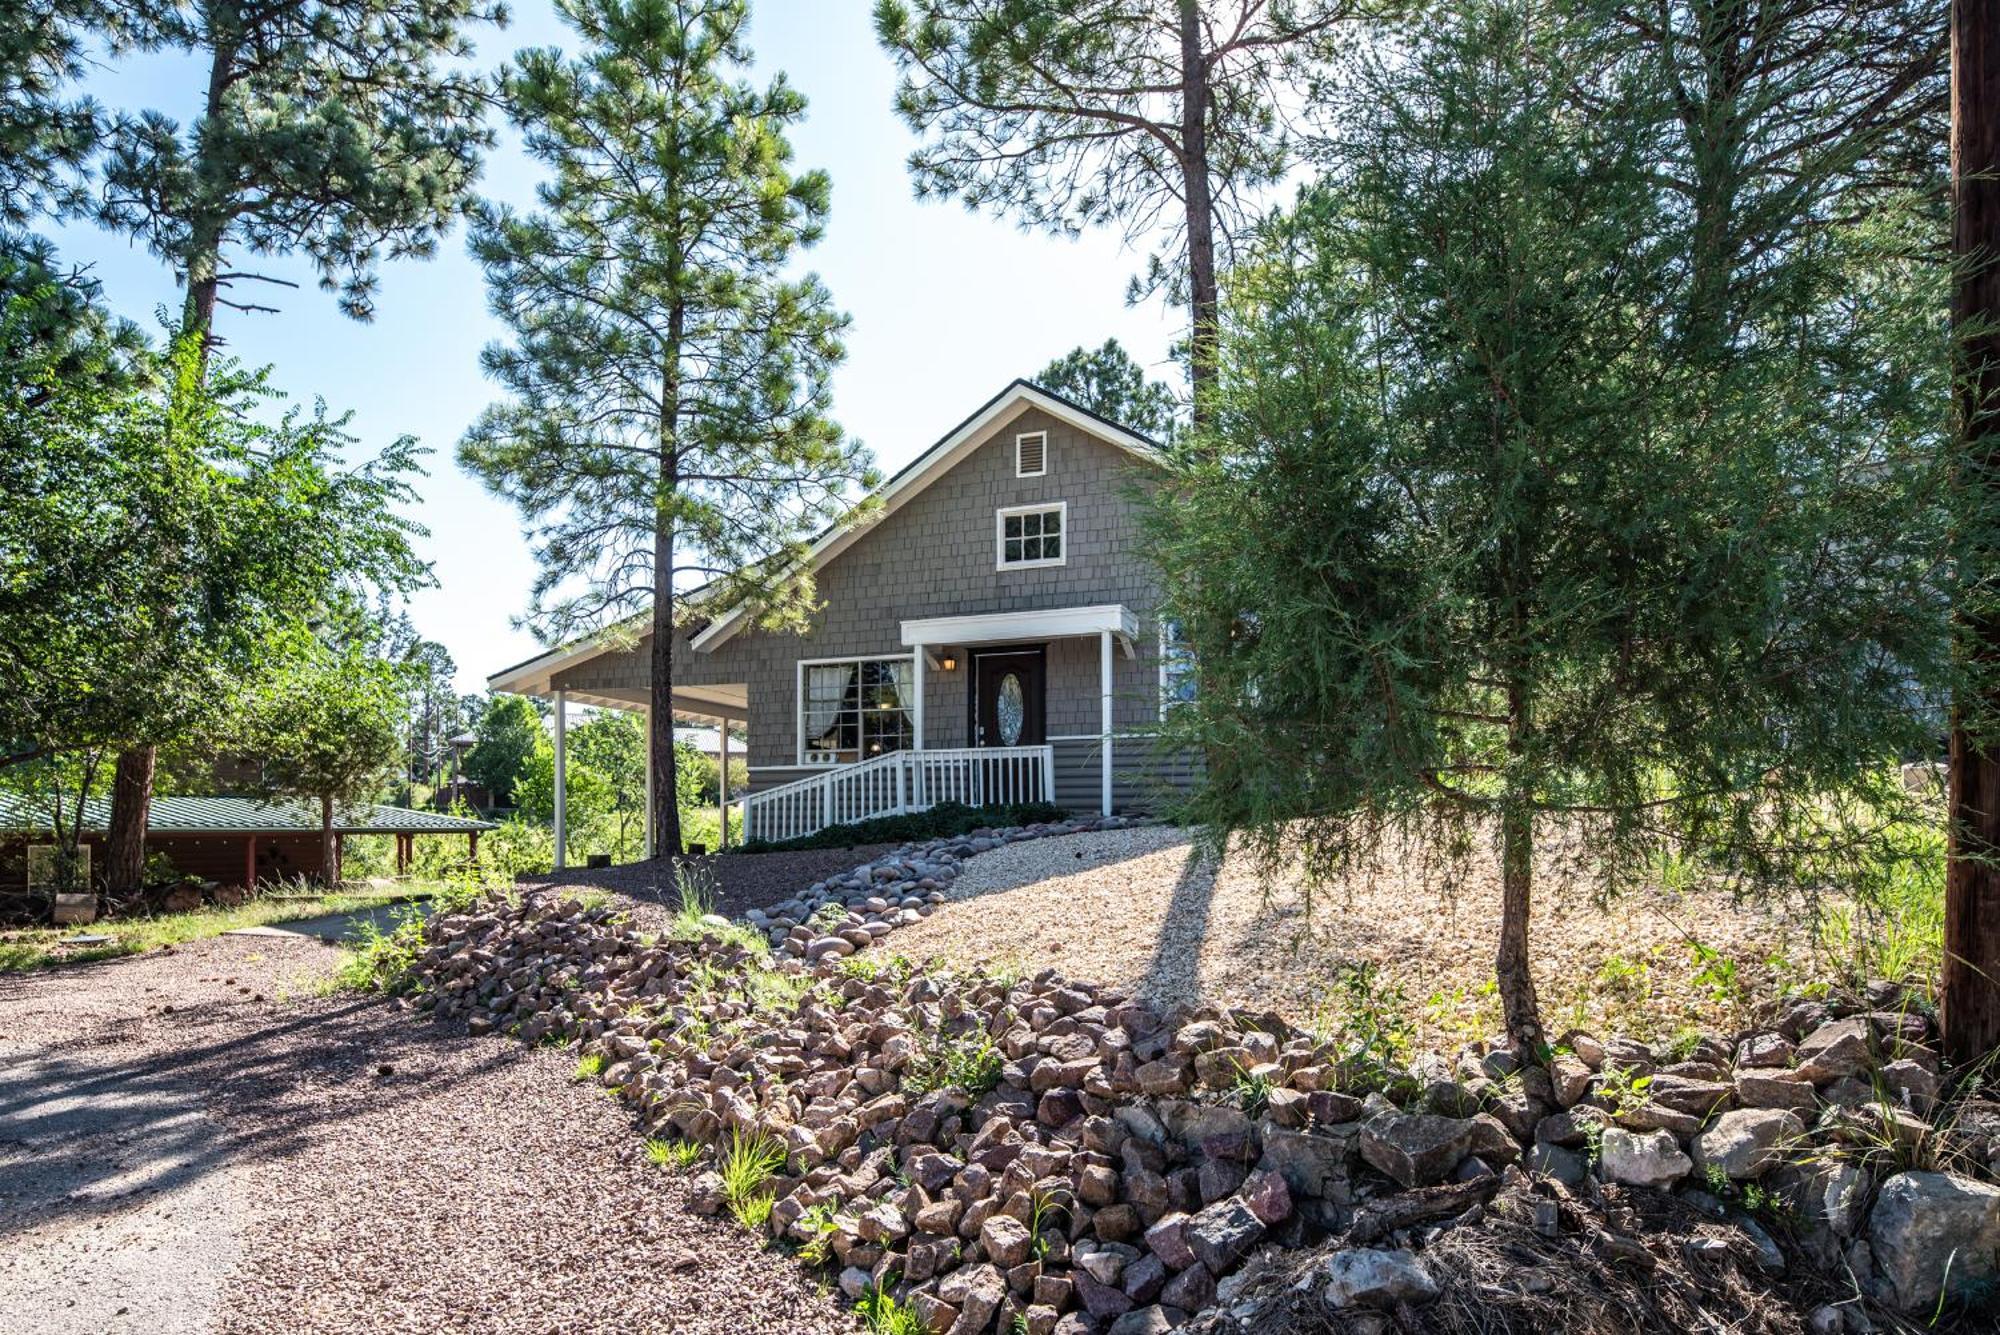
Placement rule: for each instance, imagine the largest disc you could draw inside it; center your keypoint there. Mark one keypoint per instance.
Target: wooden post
(339, 858)
(1969, 995)
(403, 853)
(472, 847)
(250, 864)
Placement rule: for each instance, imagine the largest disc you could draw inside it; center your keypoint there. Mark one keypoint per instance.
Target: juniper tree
(668, 379)
(1108, 382)
(1133, 113)
(346, 131)
(1526, 572)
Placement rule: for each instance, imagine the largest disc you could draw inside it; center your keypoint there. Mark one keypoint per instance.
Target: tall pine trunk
(1969, 1003)
(1512, 966)
(660, 718)
(1197, 195)
(132, 786)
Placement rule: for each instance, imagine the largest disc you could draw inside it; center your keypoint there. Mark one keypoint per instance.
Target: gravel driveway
(190, 1141)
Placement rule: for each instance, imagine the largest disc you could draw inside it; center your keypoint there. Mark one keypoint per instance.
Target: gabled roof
(243, 815)
(907, 482)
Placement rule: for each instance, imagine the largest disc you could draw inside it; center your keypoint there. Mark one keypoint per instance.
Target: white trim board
(1054, 623)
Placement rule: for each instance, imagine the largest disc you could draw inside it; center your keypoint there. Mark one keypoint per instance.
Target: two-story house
(993, 635)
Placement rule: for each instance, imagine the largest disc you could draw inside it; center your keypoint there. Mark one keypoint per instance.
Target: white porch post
(562, 780)
(722, 786)
(648, 715)
(917, 723)
(1104, 679)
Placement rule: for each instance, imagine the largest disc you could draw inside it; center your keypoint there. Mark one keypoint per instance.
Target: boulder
(1365, 1277)
(1773, 1089)
(1747, 1143)
(1416, 1149)
(1927, 1224)
(1223, 1234)
(1642, 1158)
(1313, 1165)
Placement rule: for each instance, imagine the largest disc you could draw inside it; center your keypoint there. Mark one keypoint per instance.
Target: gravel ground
(1138, 909)
(742, 881)
(191, 1141)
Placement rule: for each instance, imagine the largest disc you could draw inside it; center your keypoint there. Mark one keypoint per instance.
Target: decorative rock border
(1049, 1156)
(892, 891)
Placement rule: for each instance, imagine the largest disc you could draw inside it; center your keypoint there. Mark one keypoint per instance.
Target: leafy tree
(612, 745)
(668, 382)
(507, 734)
(1108, 382)
(45, 134)
(326, 721)
(342, 130)
(1525, 571)
(1133, 113)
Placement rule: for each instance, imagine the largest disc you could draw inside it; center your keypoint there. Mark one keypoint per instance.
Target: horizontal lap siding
(1142, 778)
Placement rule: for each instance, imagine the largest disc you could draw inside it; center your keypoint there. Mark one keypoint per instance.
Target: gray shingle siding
(935, 557)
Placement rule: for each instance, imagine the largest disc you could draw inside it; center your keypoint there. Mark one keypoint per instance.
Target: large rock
(1364, 1277)
(1926, 1225)
(1642, 1158)
(1747, 1143)
(1834, 1050)
(1313, 1165)
(1416, 1149)
(1223, 1234)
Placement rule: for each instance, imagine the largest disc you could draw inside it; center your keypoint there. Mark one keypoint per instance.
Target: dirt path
(190, 1141)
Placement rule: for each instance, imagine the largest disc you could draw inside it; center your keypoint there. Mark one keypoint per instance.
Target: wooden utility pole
(1970, 995)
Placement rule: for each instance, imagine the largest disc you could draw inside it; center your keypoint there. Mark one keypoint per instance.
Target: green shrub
(939, 822)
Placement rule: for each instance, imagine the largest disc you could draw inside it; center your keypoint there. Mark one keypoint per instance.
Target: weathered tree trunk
(660, 744)
(1969, 1003)
(1511, 967)
(125, 835)
(1197, 194)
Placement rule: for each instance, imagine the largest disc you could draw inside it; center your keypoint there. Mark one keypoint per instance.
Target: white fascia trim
(933, 465)
(999, 627)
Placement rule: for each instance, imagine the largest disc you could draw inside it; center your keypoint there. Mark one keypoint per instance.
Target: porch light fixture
(947, 661)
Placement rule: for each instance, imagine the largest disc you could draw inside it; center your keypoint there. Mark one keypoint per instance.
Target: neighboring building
(993, 635)
(227, 840)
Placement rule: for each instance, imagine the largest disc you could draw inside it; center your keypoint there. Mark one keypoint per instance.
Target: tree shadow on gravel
(1173, 978)
(84, 1131)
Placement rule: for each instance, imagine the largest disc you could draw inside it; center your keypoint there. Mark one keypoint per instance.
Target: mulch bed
(741, 881)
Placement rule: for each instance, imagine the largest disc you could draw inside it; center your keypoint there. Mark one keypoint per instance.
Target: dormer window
(1027, 536)
(1031, 454)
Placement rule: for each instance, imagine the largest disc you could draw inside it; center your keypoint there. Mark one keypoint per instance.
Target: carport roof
(244, 815)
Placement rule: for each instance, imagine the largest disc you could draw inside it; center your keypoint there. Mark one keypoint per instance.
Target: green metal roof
(244, 815)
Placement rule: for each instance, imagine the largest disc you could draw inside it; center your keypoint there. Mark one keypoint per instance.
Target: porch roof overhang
(1053, 623)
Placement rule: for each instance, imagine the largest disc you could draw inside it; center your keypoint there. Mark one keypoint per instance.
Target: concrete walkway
(336, 927)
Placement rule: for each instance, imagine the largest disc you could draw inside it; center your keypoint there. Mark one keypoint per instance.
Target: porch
(867, 736)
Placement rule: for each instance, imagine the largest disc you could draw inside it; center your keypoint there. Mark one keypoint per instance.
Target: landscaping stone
(1642, 1159)
(1223, 1234)
(1362, 1277)
(1925, 1224)
(1416, 1149)
(1748, 1142)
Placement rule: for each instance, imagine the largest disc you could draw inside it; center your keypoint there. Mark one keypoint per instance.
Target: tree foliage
(1108, 382)
(507, 734)
(347, 131)
(1526, 569)
(668, 377)
(1146, 115)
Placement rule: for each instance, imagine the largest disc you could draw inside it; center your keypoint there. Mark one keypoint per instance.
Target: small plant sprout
(589, 1066)
(748, 1165)
(1252, 1090)
(883, 1315)
(679, 1155)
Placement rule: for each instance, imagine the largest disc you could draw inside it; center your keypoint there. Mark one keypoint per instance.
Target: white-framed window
(851, 709)
(1031, 454)
(1025, 536)
(1177, 677)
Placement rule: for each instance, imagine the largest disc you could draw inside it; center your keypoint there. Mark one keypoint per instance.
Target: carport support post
(250, 864)
(562, 780)
(1104, 683)
(722, 784)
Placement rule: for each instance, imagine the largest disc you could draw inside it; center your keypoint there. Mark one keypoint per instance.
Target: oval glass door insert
(1010, 710)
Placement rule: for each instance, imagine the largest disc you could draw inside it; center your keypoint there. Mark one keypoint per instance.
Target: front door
(1007, 698)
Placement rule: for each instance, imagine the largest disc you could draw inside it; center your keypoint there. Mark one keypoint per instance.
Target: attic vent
(1031, 454)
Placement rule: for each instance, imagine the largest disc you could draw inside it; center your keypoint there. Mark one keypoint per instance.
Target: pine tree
(1525, 571)
(348, 131)
(669, 384)
(1108, 382)
(1132, 113)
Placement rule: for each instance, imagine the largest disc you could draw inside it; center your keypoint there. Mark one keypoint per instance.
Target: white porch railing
(899, 782)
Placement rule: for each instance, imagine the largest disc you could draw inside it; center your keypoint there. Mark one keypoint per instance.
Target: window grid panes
(854, 710)
(1031, 536)
(1177, 675)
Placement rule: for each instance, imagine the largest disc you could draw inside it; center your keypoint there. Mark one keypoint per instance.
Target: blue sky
(947, 306)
